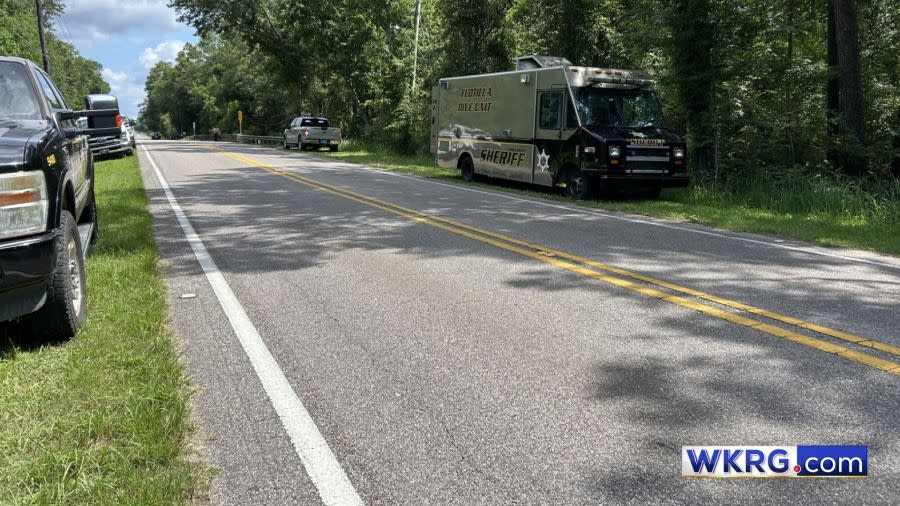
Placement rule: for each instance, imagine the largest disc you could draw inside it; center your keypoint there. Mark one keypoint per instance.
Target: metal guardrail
(247, 139)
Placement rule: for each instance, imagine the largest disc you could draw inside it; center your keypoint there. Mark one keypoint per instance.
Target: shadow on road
(257, 222)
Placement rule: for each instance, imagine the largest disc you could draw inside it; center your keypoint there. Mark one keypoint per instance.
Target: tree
(696, 73)
(845, 38)
(75, 75)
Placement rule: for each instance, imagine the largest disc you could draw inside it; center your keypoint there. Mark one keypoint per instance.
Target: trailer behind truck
(551, 123)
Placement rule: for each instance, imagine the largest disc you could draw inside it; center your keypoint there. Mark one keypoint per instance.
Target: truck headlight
(678, 152)
(615, 151)
(23, 204)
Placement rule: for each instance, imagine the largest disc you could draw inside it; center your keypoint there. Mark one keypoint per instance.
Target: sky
(127, 37)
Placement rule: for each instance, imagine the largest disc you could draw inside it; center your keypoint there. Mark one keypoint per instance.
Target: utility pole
(412, 88)
(40, 20)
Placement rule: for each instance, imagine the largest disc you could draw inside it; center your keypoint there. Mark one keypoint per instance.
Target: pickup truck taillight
(119, 120)
(23, 204)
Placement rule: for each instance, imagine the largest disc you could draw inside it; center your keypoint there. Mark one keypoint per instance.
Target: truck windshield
(613, 107)
(17, 100)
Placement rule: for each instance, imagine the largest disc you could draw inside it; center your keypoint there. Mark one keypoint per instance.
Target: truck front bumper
(109, 146)
(26, 266)
(663, 181)
(626, 177)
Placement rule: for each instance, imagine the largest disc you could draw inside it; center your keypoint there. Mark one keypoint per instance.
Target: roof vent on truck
(540, 61)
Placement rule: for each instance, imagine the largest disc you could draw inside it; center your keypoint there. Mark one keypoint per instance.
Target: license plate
(323, 141)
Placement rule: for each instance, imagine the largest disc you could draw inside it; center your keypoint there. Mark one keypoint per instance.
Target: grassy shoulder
(103, 419)
(822, 214)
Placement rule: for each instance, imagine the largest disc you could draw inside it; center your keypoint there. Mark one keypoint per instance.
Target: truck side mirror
(67, 114)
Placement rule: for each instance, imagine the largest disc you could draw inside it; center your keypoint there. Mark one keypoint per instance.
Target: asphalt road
(442, 368)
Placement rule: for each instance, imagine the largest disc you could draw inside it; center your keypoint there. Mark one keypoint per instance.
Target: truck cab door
(76, 148)
(548, 134)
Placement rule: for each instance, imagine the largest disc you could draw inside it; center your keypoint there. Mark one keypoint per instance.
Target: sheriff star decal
(543, 161)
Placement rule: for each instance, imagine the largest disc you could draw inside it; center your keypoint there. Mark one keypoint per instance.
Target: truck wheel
(467, 169)
(65, 310)
(578, 186)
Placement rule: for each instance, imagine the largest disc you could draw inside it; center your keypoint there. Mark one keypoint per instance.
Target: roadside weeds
(682, 204)
(104, 418)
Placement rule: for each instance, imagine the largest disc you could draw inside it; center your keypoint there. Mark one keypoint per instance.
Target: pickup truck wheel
(467, 169)
(65, 310)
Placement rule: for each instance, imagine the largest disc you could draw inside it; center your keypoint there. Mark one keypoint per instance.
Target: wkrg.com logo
(774, 461)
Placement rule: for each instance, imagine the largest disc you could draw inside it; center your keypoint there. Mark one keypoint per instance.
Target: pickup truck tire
(65, 310)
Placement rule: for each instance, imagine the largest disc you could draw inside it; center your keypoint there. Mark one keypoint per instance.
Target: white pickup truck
(311, 133)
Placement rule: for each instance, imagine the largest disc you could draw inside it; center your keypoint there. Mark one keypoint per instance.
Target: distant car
(311, 133)
(118, 144)
(177, 136)
(128, 127)
(155, 136)
(47, 205)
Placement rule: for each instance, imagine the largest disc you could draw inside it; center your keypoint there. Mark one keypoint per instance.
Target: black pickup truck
(48, 216)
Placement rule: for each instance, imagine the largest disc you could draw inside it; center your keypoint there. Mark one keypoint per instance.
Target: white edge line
(607, 215)
(321, 465)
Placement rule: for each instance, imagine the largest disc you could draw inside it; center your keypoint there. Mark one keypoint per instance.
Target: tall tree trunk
(832, 89)
(852, 114)
(790, 128)
(694, 41)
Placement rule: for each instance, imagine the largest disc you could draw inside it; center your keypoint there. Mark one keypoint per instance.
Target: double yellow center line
(625, 279)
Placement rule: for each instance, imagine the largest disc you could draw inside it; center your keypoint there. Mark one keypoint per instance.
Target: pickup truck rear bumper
(26, 266)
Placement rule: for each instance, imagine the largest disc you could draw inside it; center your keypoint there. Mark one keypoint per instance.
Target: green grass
(790, 206)
(103, 418)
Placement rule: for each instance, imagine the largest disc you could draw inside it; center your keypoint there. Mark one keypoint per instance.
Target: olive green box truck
(551, 123)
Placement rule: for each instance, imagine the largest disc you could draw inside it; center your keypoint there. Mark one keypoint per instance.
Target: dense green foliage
(744, 80)
(75, 75)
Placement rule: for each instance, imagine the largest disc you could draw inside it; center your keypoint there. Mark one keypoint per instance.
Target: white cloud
(164, 51)
(128, 88)
(88, 22)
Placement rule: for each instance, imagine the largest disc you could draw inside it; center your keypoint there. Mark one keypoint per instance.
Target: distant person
(215, 132)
